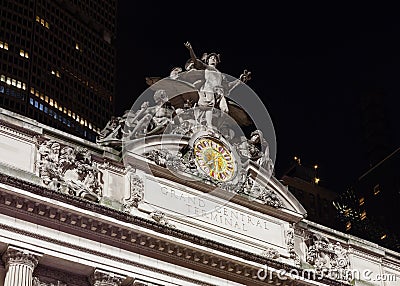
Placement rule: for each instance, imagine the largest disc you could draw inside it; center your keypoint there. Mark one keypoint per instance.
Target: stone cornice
(129, 238)
(17, 131)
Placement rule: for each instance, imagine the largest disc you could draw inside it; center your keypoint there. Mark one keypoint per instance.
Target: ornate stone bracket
(136, 188)
(270, 253)
(69, 170)
(161, 218)
(290, 246)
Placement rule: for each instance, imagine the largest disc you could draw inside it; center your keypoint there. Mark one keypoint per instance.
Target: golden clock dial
(214, 159)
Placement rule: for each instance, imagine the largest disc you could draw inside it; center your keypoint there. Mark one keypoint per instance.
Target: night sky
(311, 65)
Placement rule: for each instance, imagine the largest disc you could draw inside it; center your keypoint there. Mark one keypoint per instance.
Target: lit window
(36, 104)
(65, 110)
(60, 108)
(3, 78)
(51, 102)
(361, 200)
(3, 45)
(24, 54)
(55, 104)
(363, 215)
(13, 82)
(77, 46)
(47, 25)
(37, 19)
(19, 84)
(37, 93)
(32, 90)
(383, 236)
(41, 96)
(42, 22)
(41, 107)
(24, 86)
(377, 189)
(90, 125)
(69, 112)
(31, 101)
(348, 226)
(8, 81)
(46, 98)
(57, 74)
(53, 72)
(73, 115)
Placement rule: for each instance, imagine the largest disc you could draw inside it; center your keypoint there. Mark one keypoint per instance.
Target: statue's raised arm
(198, 64)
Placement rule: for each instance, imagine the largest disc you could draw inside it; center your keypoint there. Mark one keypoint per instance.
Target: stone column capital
(15, 255)
(105, 278)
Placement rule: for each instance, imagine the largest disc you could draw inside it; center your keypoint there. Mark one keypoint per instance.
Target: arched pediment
(161, 156)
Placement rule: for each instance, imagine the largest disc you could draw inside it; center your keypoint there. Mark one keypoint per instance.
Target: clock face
(214, 159)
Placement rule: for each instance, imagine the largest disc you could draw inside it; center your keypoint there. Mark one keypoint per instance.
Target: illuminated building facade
(57, 62)
(170, 194)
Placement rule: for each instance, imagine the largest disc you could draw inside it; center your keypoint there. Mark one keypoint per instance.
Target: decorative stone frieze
(69, 170)
(327, 258)
(265, 195)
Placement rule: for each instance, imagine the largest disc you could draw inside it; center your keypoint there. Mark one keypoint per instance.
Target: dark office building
(58, 62)
(304, 183)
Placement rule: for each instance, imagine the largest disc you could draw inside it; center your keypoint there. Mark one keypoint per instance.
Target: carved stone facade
(328, 258)
(270, 253)
(136, 190)
(170, 197)
(70, 170)
(290, 242)
(161, 218)
(104, 278)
